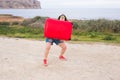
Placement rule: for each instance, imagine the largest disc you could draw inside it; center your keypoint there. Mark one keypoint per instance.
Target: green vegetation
(21, 32)
(100, 30)
(4, 23)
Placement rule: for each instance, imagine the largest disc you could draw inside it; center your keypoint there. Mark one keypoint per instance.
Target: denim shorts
(56, 41)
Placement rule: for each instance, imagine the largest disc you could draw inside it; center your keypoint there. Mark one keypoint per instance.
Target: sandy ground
(21, 59)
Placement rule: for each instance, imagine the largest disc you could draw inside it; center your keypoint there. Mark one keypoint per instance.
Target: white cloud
(80, 3)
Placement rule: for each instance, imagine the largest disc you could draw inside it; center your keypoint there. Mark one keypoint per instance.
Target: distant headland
(20, 4)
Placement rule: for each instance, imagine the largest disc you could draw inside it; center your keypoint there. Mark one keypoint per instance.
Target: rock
(20, 4)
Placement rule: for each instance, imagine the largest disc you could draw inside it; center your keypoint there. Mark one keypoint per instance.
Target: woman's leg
(48, 46)
(63, 48)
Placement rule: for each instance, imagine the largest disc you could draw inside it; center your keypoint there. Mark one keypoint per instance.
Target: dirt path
(21, 59)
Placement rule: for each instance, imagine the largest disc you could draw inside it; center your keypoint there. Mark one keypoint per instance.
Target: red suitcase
(57, 29)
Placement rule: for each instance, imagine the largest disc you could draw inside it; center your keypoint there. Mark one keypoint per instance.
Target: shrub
(37, 18)
(4, 23)
(92, 34)
(75, 25)
(108, 37)
(15, 23)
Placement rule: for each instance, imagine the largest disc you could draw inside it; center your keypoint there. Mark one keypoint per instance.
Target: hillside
(19, 4)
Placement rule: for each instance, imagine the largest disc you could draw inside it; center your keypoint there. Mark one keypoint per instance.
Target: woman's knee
(63, 46)
(48, 46)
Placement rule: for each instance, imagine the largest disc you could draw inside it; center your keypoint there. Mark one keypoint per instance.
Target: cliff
(20, 4)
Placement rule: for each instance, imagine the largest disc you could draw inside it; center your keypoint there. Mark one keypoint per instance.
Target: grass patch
(21, 32)
(37, 33)
(96, 37)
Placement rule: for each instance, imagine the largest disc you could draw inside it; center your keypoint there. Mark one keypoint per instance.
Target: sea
(71, 13)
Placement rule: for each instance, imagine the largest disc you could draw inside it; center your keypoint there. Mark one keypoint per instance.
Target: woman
(60, 43)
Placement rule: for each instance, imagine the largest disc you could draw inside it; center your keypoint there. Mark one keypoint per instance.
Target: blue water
(73, 13)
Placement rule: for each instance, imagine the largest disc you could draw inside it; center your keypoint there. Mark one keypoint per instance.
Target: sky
(80, 3)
